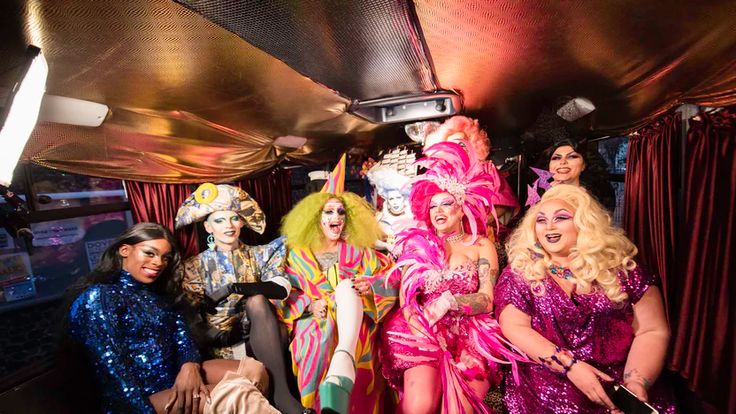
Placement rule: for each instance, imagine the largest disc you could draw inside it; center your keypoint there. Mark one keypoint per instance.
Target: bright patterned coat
(212, 269)
(314, 340)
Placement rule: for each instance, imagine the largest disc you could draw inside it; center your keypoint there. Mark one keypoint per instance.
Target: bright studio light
(21, 112)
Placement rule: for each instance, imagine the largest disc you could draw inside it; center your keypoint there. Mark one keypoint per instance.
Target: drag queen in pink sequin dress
(574, 301)
(442, 348)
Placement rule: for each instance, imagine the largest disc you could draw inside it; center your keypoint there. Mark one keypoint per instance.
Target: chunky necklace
(561, 271)
(455, 237)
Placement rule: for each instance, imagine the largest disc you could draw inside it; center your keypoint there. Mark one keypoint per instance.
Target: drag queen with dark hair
(443, 348)
(338, 299)
(145, 361)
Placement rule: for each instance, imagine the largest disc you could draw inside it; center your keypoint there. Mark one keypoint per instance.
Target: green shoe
(334, 397)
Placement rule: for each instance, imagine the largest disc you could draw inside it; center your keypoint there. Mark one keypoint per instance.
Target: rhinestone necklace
(455, 237)
(561, 271)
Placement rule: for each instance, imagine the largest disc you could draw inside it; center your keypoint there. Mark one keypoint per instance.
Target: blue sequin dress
(135, 342)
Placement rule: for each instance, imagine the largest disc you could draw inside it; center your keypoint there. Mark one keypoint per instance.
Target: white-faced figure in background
(395, 216)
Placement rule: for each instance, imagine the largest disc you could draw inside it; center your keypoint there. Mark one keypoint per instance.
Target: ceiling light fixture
(72, 111)
(19, 115)
(408, 108)
(290, 141)
(575, 109)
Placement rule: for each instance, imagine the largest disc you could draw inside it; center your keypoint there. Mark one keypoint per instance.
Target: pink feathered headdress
(453, 170)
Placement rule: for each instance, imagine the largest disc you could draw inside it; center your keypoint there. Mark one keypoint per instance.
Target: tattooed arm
(482, 301)
(649, 348)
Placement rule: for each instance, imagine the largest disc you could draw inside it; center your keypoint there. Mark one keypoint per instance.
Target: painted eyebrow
(541, 213)
(151, 247)
(448, 198)
(571, 152)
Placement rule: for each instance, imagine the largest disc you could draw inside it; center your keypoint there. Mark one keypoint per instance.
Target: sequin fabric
(135, 343)
(596, 330)
(210, 270)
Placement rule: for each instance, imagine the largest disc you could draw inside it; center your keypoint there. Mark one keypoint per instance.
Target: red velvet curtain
(705, 334)
(158, 203)
(650, 207)
(272, 191)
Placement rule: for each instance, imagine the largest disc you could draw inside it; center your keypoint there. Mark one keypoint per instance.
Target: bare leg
(349, 319)
(480, 388)
(265, 340)
(215, 369)
(421, 390)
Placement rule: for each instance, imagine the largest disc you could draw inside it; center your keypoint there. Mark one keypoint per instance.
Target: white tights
(349, 320)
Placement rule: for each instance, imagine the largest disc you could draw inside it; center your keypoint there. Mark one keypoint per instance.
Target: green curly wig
(301, 225)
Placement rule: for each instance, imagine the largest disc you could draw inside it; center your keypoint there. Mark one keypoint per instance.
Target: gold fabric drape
(191, 101)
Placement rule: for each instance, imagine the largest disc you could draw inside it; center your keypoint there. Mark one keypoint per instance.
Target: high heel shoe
(334, 397)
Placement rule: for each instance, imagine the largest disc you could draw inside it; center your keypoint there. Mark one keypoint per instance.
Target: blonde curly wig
(601, 251)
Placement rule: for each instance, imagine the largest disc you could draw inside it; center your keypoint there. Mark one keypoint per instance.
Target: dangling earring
(538, 245)
(211, 242)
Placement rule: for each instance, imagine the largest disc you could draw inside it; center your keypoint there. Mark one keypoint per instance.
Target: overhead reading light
(408, 108)
(72, 111)
(575, 109)
(19, 115)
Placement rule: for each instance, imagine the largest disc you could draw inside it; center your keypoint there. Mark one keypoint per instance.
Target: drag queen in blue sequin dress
(140, 349)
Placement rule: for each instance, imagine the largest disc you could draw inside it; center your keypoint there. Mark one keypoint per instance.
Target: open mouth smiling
(553, 237)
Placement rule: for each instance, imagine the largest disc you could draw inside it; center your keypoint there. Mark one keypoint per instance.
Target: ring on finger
(196, 396)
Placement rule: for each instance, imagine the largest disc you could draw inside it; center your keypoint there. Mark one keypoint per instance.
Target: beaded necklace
(561, 271)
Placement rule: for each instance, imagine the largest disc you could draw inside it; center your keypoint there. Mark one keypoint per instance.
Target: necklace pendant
(561, 271)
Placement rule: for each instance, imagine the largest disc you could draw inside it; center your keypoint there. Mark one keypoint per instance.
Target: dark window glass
(62, 251)
(613, 151)
(55, 189)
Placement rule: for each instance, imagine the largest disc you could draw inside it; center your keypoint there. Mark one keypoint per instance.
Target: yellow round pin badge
(205, 193)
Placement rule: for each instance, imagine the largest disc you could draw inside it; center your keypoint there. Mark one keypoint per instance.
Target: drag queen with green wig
(338, 298)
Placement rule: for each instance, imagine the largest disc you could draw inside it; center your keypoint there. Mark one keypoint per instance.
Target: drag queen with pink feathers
(443, 348)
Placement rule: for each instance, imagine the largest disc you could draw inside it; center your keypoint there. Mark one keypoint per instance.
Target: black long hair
(71, 358)
(595, 176)
(111, 263)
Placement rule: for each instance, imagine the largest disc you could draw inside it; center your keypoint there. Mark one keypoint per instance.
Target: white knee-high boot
(349, 319)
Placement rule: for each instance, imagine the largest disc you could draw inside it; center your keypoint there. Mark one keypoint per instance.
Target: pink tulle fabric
(504, 194)
(462, 347)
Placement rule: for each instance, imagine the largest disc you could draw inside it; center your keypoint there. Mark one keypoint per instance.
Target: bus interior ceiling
(198, 90)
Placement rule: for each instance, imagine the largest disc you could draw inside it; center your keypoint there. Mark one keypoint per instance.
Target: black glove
(210, 301)
(270, 290)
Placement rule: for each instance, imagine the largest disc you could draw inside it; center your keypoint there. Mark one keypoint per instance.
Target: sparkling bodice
(459, 280)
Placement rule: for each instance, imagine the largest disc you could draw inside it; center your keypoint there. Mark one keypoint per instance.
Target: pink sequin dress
(596, 330)
(463, 347)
